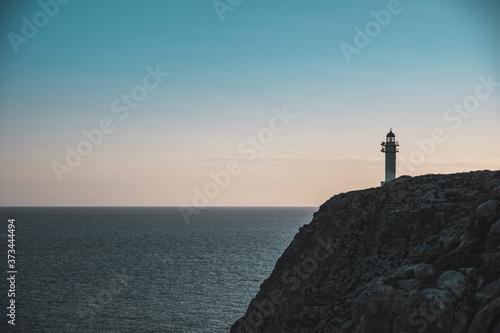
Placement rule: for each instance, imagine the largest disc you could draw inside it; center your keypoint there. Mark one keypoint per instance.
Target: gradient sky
(226, 78)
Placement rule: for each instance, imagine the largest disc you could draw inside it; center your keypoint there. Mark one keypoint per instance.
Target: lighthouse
(390, 148)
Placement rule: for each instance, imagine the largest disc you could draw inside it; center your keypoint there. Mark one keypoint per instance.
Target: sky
(240, 103)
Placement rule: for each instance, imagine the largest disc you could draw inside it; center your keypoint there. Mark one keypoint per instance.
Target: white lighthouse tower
(390, 148)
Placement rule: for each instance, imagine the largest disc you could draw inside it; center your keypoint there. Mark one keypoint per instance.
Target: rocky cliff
(419, 254)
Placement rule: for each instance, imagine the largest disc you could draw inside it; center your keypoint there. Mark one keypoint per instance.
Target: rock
(429, 310)
(493, 289)
(460, 323)
(416, 255)
(423, 271)
(454, 281)
(370, 307)
(408, 285)
(496, 192)
(487, 319)
(487, 209)
(491, 259)
(494, 233)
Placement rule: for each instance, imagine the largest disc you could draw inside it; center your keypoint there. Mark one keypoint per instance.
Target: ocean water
(118, 269)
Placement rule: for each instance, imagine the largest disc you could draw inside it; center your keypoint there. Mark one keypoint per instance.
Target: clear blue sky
(225, 78)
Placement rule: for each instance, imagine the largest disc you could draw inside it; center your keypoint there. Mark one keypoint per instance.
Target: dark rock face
(419, 255)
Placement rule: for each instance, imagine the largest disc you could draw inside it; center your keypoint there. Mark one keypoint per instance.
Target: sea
(139, 269)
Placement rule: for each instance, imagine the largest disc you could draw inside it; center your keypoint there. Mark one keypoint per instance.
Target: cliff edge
(419, 254)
